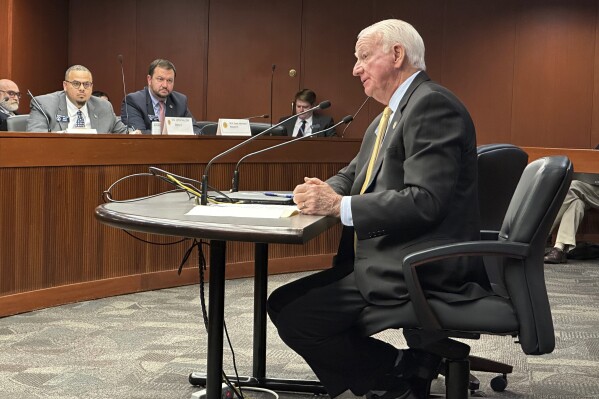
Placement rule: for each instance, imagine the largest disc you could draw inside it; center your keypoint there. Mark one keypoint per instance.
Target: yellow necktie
(375, 152)
(377, 146)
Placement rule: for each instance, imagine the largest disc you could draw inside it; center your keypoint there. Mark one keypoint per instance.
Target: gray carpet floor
(145, 345)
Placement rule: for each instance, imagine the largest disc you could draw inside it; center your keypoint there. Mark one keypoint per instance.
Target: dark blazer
(423, 192)
(319, 122)
(141, 111)
(3, 118)
(54, 104)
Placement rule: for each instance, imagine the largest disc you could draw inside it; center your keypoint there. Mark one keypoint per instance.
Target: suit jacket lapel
(149, 106)
(62, 111)
(392, 129)
(93, 118)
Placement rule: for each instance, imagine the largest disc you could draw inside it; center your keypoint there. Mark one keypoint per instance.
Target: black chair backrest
(17, 123)
(209, 128)
(260, 127)
(499, 169)
(532, 210)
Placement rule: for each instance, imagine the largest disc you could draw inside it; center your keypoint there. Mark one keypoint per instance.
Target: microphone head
(265, 116)
(120, 58)
(324, 104)
(273, 67)
(347, 119)
(6, 99)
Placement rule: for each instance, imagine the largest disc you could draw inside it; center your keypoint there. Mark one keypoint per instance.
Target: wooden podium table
(166, 215)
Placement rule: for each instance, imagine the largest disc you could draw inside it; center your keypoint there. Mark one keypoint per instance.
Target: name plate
(174, 125)
(233, 127)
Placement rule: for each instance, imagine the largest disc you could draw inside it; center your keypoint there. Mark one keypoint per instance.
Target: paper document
(245, 210)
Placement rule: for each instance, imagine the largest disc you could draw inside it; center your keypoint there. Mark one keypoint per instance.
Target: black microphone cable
(39, 107)
(235, 182)
(120, 58)
(204, 191)
(354, 117)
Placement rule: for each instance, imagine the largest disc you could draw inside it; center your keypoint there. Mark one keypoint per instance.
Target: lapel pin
(394, 124)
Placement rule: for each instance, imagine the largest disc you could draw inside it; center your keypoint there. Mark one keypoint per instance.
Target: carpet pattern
(145, 345)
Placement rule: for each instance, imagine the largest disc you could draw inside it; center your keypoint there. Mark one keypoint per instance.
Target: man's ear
(399, 55)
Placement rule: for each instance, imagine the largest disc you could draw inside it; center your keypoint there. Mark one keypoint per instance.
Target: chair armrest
(427, 318)
(488, 235)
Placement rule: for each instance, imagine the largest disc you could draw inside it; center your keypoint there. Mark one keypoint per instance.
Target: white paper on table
(245, 210)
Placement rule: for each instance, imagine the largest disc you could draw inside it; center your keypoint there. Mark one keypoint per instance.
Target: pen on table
(270, 194)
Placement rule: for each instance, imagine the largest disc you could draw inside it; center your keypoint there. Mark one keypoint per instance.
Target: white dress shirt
(298, 124)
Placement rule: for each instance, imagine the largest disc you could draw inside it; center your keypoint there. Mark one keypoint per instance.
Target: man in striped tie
(73, 109)
(413, 185)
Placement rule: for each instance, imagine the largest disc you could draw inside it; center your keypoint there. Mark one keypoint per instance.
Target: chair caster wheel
(499, 383)
(197, 379)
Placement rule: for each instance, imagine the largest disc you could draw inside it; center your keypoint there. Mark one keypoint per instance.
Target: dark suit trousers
(314, 316)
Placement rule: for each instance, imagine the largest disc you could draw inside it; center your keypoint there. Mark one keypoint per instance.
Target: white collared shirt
(72, 111)
(298, 124)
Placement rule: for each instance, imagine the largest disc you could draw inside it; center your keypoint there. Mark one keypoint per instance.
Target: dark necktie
(80, 122)
(302, 129)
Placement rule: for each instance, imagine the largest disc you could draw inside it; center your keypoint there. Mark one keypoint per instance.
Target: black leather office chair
(524, 314)
(499, 169)
(260, 127)
(209, 128)
(17, 123)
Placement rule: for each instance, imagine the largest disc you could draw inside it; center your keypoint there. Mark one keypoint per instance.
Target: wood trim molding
(55, 296)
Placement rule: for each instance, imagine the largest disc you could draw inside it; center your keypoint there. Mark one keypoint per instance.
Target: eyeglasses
(12, 93)
(76, 84)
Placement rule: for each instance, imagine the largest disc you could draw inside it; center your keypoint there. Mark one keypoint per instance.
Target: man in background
(580, 198)
(157, 100)
(100, 94)
(9, 101)
(73, 107)
(303, 125)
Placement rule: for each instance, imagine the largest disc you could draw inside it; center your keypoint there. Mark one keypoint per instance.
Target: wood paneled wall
(528, 71)
(53, 250)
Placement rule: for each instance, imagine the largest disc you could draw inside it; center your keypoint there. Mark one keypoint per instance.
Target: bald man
(9, 101)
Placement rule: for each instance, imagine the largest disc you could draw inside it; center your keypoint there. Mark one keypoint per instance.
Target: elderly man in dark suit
(412, 185)
(74, 107)
(157, 100)
(305, 124)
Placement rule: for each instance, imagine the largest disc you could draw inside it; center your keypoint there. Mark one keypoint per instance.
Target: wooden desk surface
(166, 215)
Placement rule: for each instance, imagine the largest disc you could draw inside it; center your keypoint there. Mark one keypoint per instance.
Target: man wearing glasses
(157, 100)
(73, 108)
(9, 101)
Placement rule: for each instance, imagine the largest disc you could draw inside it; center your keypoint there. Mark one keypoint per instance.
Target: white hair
(395, 31)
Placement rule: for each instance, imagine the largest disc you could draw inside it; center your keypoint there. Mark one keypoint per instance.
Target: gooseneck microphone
(129, 127)
(249, 118)
(272, 81)
(356, 114)
(37, 105)
(235, 183)
(204, 197)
